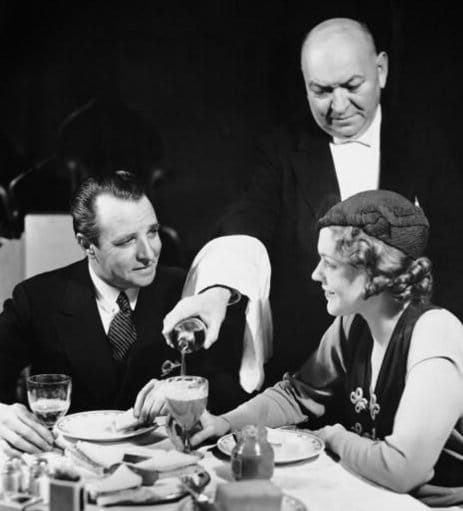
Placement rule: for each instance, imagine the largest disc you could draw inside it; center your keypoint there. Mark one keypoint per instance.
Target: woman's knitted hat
(385, 215)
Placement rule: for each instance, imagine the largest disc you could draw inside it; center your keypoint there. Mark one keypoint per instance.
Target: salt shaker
(253, 456)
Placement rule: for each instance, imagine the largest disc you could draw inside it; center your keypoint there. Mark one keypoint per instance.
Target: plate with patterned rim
(97, 426)
(288, 503)
(289, 445)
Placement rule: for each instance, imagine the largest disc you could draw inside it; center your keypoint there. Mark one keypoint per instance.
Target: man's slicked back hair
(120, 184)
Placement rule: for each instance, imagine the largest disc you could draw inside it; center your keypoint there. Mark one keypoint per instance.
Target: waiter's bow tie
(338, 141)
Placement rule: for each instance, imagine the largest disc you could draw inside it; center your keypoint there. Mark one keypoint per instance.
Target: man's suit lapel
(81, 332)
(396, 168)
(314, 169)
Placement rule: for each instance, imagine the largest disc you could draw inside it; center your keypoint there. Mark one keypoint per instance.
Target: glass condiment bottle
(10, 478)
(40, 480)
(24, 474)
(253, 456)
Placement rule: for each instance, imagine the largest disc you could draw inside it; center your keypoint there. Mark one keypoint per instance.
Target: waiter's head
(115, 223)
(343, 76)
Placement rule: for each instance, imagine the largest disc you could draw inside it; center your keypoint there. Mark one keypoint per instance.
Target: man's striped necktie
(122, 333)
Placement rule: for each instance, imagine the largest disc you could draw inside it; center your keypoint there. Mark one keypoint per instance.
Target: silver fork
(202, 501)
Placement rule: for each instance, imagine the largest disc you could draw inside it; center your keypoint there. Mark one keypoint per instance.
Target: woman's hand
(213, 426)
(150, 401)
(327, 432)
(21, 431)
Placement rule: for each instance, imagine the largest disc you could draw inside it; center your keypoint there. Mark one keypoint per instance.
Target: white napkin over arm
(240, 262)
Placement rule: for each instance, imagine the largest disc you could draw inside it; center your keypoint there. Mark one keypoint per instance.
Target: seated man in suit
(100, 319)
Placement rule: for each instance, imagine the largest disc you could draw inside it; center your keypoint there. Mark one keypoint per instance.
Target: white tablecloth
(321, 484)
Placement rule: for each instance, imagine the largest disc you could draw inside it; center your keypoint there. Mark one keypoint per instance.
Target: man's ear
(85, 245)
(382, 65)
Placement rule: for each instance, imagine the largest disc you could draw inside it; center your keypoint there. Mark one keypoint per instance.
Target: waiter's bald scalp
(339, 28)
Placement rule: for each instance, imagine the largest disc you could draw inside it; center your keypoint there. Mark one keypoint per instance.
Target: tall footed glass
(186, 399)
(49, 397)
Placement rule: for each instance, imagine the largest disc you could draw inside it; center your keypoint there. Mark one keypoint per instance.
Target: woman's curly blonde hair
(389, 268)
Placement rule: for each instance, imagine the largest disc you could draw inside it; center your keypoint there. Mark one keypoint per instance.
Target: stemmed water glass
(186, 399)
(49, 397)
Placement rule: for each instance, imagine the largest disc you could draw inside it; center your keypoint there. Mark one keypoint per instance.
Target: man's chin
(145, 279)
(345, 132)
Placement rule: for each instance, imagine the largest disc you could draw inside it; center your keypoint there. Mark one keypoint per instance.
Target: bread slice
(164, 461)
(125, 421)
(121, 479)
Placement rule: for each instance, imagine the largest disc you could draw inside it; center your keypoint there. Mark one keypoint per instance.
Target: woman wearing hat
(387, 378)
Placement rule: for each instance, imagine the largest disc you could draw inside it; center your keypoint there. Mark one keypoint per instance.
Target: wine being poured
(187, 337)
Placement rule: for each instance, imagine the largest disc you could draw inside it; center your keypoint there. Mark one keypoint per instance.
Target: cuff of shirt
(235, 295)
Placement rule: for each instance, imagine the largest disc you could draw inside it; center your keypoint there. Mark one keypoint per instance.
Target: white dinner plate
(96, 426)
(289, 445)
(288, 503)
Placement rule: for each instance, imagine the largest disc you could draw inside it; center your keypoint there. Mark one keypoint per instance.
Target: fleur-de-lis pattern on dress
(361, 403)
(358, 400)
(374, 406)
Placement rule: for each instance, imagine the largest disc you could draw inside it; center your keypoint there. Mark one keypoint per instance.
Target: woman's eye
(329, 264)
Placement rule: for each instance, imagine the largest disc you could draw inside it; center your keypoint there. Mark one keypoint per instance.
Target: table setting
(107, 459)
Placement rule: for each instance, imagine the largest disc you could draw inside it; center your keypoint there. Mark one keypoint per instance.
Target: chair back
(49, 243)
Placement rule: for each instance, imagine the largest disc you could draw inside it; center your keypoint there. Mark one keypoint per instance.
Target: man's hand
(210, 306)
(150, 401)
(20, 431)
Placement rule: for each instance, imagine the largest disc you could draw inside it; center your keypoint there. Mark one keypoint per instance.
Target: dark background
(210, 75)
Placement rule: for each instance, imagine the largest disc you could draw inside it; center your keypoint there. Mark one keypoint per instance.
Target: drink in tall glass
(49, 411)
(186, 399)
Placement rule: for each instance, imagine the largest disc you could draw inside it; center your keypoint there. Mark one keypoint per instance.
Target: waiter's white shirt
(357, 161)
(106, 297)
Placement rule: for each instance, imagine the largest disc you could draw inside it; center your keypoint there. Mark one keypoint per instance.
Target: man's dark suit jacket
(52, 323)
(295, 183)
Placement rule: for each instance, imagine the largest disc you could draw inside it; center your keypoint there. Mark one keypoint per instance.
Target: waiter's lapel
(81, 332)
(314, 168)
(395, 171)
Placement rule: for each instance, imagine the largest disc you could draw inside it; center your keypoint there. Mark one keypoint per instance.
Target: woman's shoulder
(438, 333)
(441, 319)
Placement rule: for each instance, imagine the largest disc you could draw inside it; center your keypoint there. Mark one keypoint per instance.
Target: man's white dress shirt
(357, 161)
(106, 297)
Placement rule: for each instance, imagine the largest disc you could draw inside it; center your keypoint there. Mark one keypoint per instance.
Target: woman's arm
(430, 406)
(297, 397)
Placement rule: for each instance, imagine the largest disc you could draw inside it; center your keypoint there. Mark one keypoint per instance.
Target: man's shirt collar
(107, 295)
